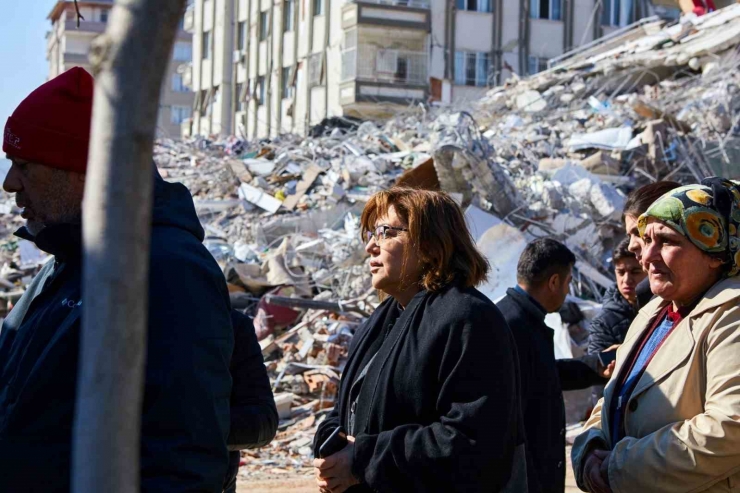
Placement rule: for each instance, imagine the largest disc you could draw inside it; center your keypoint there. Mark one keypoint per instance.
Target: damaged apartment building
(68, 45)
(262, 68)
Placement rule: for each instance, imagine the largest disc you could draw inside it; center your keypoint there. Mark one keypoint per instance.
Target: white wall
(438, 18)
(583, 27)
(546, 38)
(474, 31)
(78, 44)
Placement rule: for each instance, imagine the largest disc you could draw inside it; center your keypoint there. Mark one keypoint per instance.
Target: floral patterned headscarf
(707, 214)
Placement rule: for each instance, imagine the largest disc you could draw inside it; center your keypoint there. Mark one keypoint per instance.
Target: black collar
(64, 241)
(535, 307)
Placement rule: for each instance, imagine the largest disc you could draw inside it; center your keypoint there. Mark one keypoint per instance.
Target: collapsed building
(552, 155)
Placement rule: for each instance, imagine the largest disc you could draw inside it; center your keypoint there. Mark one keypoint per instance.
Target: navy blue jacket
(610, 326)
(185, 415)
(543, 380)
(254, 417)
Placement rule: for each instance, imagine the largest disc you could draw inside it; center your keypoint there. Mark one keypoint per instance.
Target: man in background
(544, 273)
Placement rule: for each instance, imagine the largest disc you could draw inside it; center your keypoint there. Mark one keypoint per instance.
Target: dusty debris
(550, 155)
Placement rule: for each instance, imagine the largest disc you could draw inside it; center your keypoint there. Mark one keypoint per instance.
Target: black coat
(254, 417)
(610, 326)
(185, 414)
(439, 407)
(543, 380)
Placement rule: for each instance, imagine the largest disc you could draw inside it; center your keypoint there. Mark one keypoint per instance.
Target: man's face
(564, 288)
(558, 287)
(629, 274)
(46, 195)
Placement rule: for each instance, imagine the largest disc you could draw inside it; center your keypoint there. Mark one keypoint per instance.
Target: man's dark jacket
(439, 407)
(610, 326)
(543, 380)
(185, 414)
(254, 417)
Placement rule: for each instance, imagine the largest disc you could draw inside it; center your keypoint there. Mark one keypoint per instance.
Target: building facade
(266, 67)
(68, 46)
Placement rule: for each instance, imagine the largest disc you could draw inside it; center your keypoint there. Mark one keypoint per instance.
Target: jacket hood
(172, 207)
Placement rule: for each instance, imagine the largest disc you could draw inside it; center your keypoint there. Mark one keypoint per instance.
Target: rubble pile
(551, 155)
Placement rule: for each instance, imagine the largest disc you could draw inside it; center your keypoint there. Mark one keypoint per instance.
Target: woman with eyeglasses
(429, 396)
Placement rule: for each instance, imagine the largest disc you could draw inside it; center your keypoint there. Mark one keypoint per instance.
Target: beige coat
(683, 419)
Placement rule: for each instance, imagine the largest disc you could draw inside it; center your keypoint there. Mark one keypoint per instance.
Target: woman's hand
(596, 472)
(334, 473)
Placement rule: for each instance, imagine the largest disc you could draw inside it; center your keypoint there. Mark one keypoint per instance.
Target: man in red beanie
(185, 414)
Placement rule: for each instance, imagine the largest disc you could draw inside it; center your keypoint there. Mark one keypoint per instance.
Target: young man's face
(45, 195)
(629, 274)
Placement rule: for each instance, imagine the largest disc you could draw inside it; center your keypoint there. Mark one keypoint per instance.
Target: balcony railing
(417, 4)
(188, 22)
(85, 26)
(369, 64)
(186, 70)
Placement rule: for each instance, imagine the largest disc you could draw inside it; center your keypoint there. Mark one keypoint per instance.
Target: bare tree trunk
(130, 61)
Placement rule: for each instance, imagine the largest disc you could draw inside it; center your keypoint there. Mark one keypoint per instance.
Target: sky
(23, 27)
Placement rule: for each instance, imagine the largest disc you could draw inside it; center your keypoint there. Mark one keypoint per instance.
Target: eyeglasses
(383, 232)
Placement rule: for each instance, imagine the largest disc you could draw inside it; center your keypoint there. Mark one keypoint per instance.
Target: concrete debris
(550, 155)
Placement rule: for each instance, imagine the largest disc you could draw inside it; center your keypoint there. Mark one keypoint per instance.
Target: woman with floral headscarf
(669, 420)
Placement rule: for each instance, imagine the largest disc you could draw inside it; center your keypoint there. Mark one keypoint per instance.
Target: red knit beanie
(52, 125)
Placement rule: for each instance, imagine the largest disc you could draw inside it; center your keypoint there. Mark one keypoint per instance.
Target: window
(286, 89)
(475, 5)
(183, 52)
(177, 83)
(288, 14)
(264, 25)
(318, 7)
(241, 35)
(472, 69)
(212, 99)
(315, 69)
(402, 70)
(200, 101)
(206, 45)
(611, 12)
(241, 104)
(179, 114)
(261, 90)
(103, 16)
(667, 13)
(536, 65)
(386, 61)
(545, 9)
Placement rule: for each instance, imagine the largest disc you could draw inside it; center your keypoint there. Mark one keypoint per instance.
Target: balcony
(370, 74)
(186, 70)
(188, 23)
(76, 59)
(416, 4)
(85, 26)
(404, 14)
